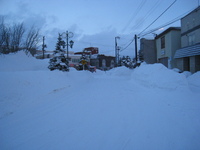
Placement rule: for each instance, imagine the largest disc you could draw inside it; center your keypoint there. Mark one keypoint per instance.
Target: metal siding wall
(164, 61)
(197, 63)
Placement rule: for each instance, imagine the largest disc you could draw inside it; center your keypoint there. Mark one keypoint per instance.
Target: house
(47, 54)
(188, 56)
(166, 44)
(147, 51)
(102, 62)
(88, 51)
(74, 60)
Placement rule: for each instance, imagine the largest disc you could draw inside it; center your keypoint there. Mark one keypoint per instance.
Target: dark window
(162, 42)
(186, 64)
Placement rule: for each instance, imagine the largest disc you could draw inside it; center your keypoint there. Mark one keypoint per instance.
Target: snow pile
(117, 109)
(158, 76)
(195, 79)
(120, 72)
(21, 62)
(187, 73)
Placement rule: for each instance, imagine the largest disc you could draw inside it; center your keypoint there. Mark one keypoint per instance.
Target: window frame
(162, 41)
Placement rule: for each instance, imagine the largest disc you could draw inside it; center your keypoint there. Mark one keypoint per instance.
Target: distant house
(188, 56)
(74, 60)
(166, 44)
(47, 54)
(147, 51)
(102, 62)
(88, 51)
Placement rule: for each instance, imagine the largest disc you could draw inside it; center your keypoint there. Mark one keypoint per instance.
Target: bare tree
(10, 37)
(32, 40)
(16, 37)
(4, 37)
(13, 38)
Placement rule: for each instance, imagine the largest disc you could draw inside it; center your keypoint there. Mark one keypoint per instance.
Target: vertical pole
(118, 54)
(136, 48)
(116, 51)
(67, 43)
(43, 47)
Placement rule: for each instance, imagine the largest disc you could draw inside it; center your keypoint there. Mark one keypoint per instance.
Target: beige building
(166, 44)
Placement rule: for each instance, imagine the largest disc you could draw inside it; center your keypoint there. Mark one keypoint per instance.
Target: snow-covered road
(150, 107)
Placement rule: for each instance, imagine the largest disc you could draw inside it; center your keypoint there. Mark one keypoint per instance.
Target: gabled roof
(168, 30)
(188, 51)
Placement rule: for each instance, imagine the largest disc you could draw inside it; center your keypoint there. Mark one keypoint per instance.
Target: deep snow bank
(21, 62)
(158, 76)
(195, 79)
(148, 75)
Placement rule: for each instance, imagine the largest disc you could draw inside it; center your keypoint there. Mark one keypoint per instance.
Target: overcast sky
(95, 22)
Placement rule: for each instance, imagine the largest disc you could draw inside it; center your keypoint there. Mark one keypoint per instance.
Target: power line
(166, 24)
(127, 45)
(139, 8)
(158, 16)
(148, 14)
(150, 11)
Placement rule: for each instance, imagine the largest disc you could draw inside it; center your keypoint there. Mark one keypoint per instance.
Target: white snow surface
(148, 108)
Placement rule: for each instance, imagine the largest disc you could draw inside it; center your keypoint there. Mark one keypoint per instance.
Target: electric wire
(155, 29)
(166, 24)
(158, 2)
(127, 45)
(147, 15)
(159, 16)
(139, 8)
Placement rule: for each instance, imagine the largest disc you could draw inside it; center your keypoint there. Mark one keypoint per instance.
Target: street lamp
(69, 35)
(71, 43)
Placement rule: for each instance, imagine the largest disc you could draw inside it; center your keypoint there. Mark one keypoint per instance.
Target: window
(191, 39)
(103, 63)
(162, 42)
(193, 22)
(74, 60)
(112, 64)
(188, 26)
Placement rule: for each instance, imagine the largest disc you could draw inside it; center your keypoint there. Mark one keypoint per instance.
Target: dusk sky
(95, 22)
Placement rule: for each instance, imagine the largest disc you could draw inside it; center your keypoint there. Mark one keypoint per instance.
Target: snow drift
(21, 62)
(150, 107)
(158, 76)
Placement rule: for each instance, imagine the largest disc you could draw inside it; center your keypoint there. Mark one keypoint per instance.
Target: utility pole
(118, 48)
(136, 48)
(67, 38)
(116, 51)
(43, 46)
